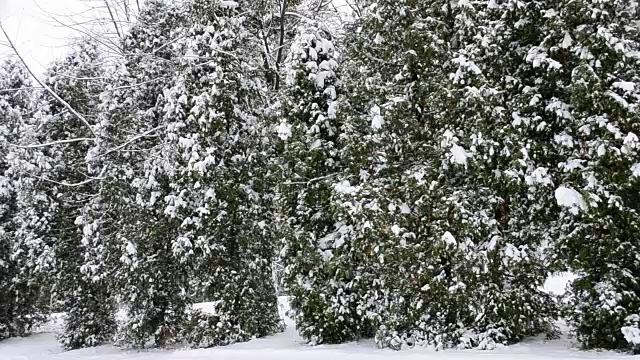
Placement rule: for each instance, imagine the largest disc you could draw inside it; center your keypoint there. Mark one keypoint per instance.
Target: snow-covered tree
(132, 236)
(308, 130)
(215, 162)
(423, 183)
(187, 186)
(18, 285)
(274, 23)
(439, 195)
(590, 52)
(54, 186)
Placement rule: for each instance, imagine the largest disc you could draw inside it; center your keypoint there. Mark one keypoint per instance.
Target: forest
(410, 173)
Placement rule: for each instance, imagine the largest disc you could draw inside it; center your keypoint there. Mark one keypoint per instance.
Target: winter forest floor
(288, 345)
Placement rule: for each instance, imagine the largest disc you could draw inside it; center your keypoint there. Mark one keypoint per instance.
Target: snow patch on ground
(288, 345)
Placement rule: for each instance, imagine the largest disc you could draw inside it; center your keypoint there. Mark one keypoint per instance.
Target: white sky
(31, 28)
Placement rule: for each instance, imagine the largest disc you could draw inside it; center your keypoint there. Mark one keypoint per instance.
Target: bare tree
(104, 21)
(90, 131)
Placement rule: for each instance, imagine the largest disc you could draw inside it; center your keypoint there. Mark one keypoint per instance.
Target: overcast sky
(35, 33)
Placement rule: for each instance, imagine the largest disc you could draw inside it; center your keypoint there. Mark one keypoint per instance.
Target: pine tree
(591, 50)
(18, 291)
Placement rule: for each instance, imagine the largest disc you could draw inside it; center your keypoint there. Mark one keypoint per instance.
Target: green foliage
(442, 193)
(19, 310)
(423, 175)
(592, 49)
(318, 274)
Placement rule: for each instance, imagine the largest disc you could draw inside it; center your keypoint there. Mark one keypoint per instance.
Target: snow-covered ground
(288, 345)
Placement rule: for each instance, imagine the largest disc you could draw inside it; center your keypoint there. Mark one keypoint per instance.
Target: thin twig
(167, 44)
(138, 84)
(126, 9)
(310, 180)
(66, 141)
(20, 89)
(125, 144)
(84, 182)
(66, 184)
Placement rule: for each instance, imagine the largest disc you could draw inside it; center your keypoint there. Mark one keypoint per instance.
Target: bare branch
(81, 183)
(126, 10)
(356, 10)
(139, 84)
(125, 144)
(20, 89)
(283, 11)
(292, 13)
(85, 31)
(64, 183)
(83, 78)
(66, 141)
(113, 19)
(167, 44)
(310, 181)
(47, 88)
(106, 42)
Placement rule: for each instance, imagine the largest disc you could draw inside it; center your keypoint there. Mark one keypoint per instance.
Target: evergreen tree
(219, 194)
(133, 236)
(18, 291)
(56, 186)
(591, 52)
(474, 147)
(316, 270)
(440, 194)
